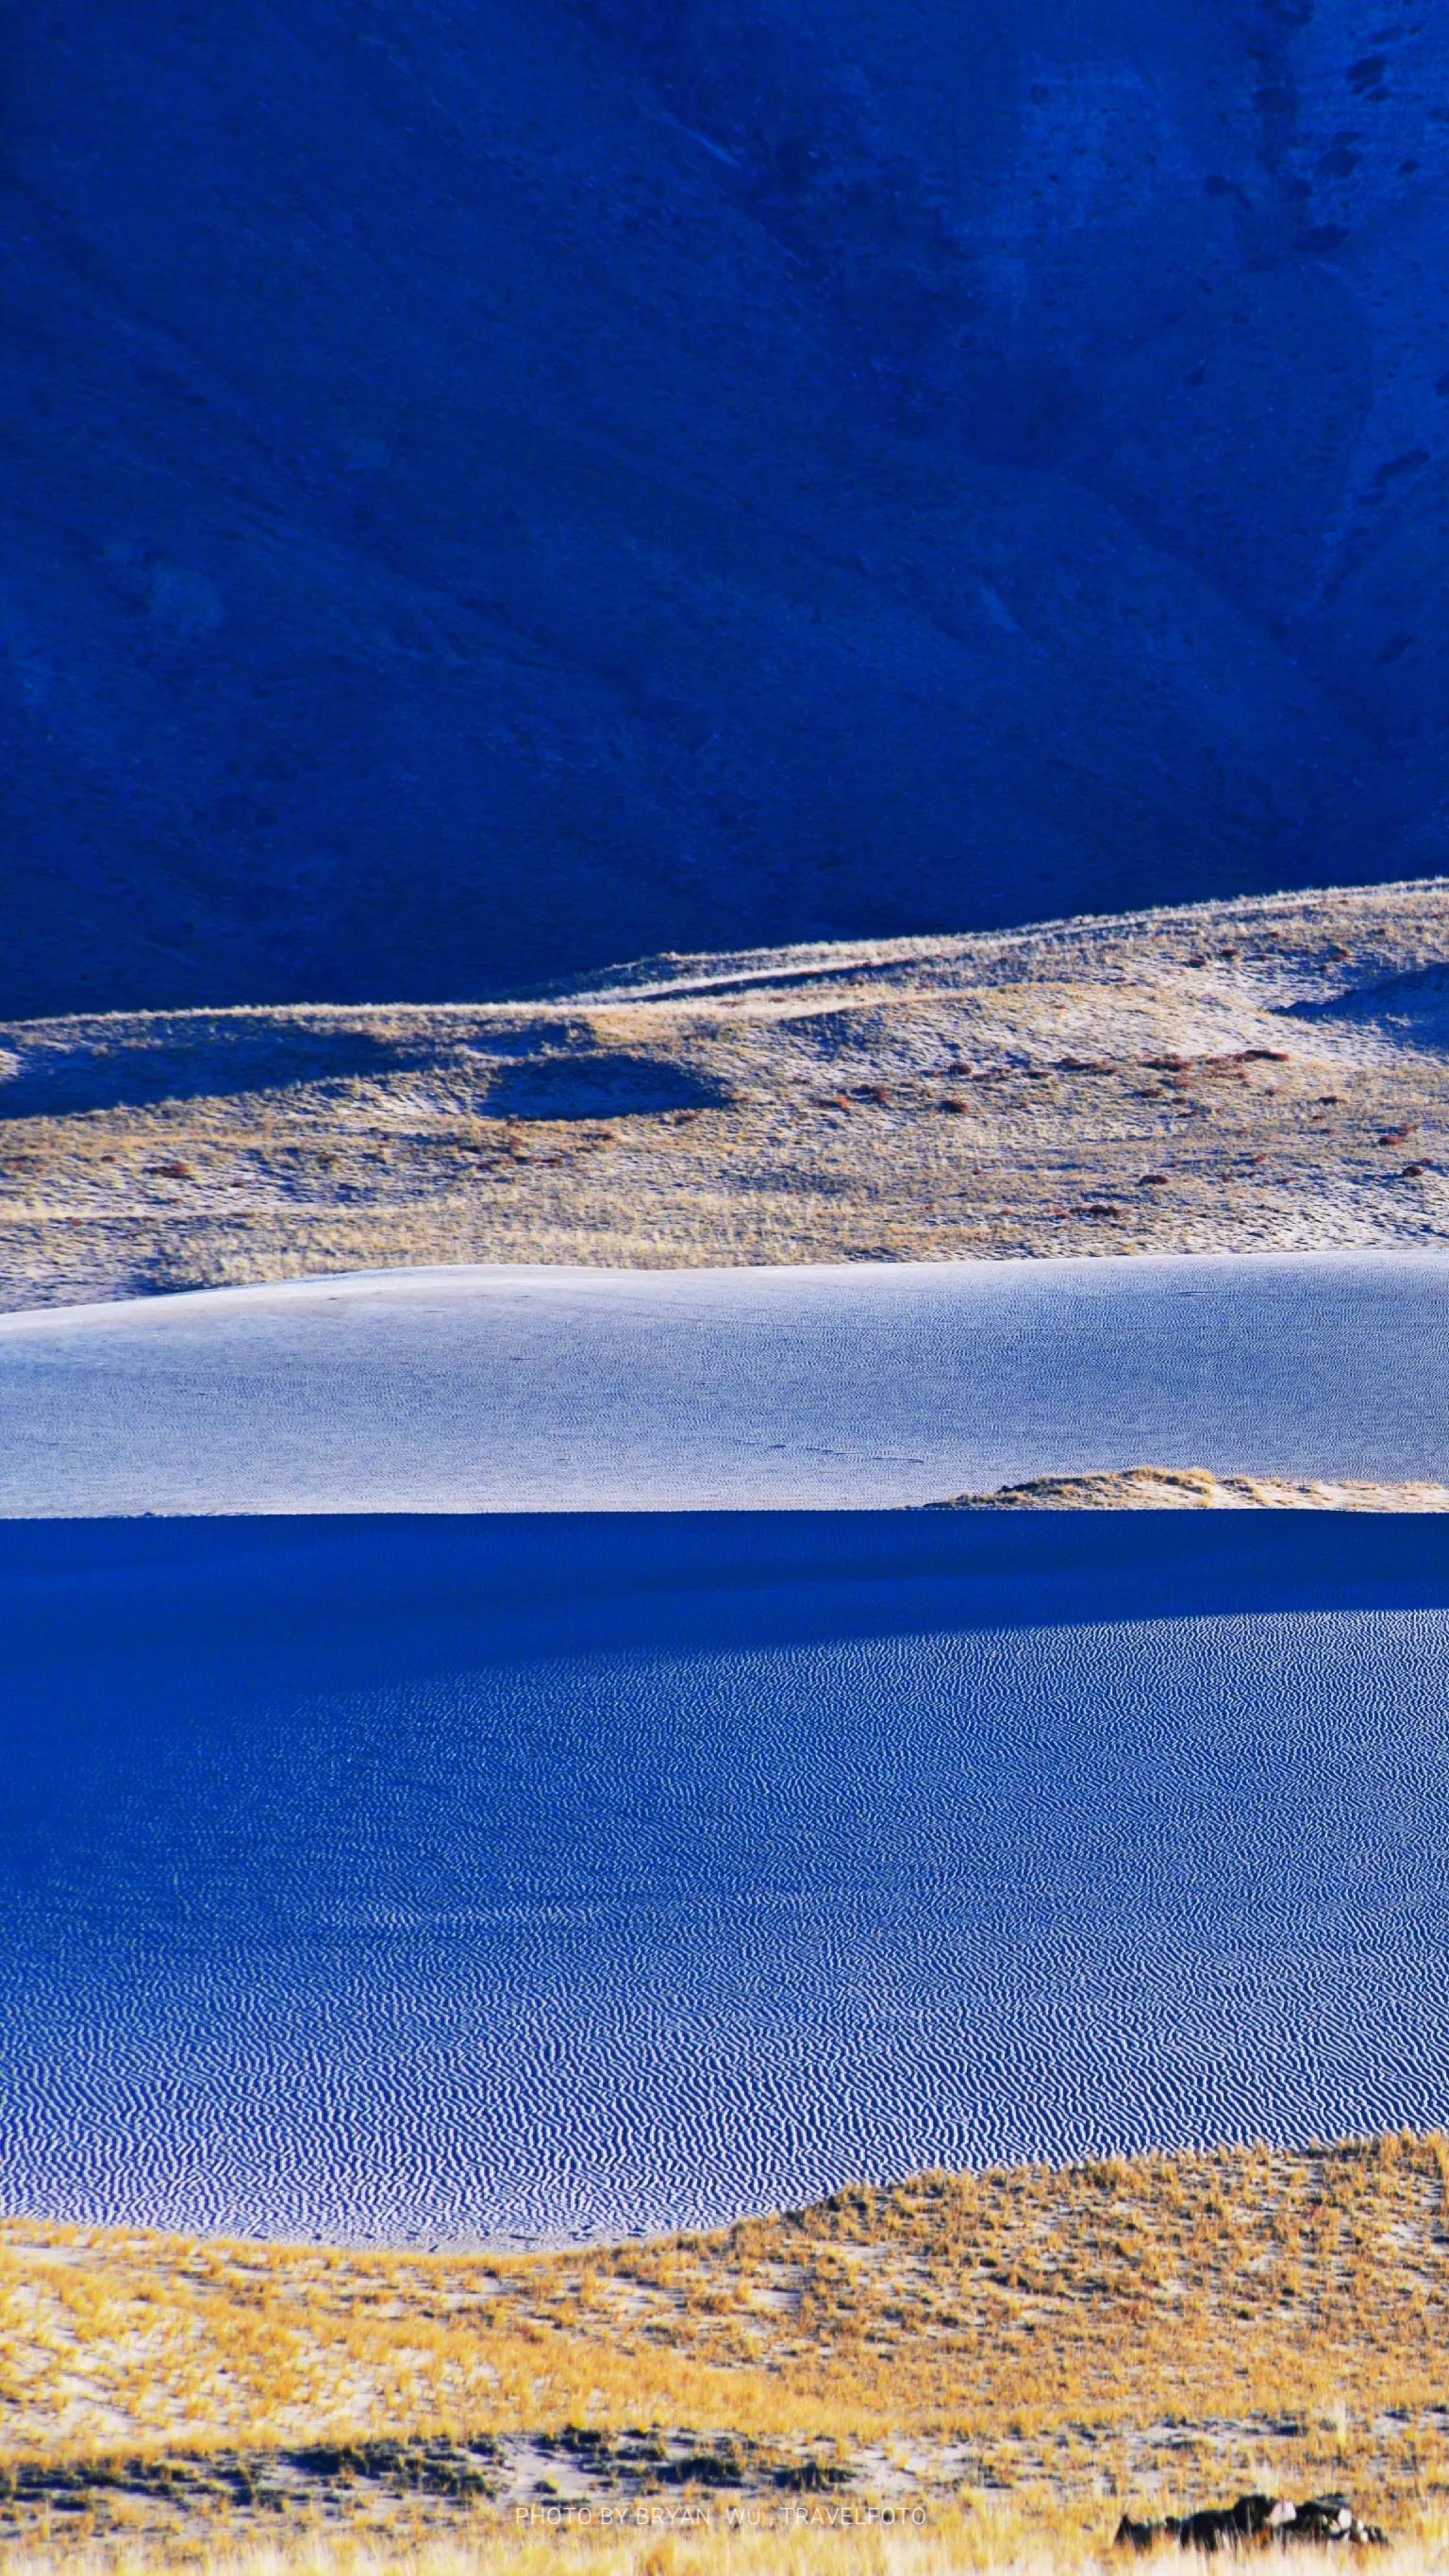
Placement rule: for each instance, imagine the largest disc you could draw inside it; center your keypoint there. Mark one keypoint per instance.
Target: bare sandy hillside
(1197, 1489)
(1272, 1072)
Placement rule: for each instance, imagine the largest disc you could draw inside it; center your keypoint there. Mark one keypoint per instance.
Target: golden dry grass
(1152, 2329)
(646, 2552)
(965, 2544)
(962, 2545)
(1168, 1081)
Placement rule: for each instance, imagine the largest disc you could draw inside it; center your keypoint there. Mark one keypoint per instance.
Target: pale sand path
(527, 1389)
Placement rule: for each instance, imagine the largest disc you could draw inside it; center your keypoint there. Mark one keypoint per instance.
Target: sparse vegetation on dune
(1228, 1077)
(1046, 2345)
(1197, 1489)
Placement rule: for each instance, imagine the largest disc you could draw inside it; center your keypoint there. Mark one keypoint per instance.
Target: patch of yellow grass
(1168, 1081)
(1160, 2328)
(968, 2545)
(958, 2545)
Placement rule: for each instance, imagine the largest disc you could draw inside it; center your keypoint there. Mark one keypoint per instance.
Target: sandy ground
(502, 1877)
(1239, 1076)
(1032, 2351)
(1242, 1077)
(850, 1385)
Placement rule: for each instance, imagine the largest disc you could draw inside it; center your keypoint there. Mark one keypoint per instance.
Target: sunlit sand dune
(521, 1389)
(518, 1782)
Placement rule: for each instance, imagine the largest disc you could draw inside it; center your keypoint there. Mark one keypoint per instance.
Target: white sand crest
(522, 1388)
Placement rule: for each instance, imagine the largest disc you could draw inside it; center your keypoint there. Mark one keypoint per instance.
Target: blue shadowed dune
(444, 1878)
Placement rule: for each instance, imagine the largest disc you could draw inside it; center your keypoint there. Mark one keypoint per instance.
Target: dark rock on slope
(496, 486)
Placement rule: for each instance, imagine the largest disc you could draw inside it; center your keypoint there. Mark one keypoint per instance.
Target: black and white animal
(1329, 2519)
(1324, 2518)
(1234, 2526)
(1324, 2521)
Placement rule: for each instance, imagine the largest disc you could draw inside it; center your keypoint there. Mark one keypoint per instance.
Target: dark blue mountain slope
(498, 486)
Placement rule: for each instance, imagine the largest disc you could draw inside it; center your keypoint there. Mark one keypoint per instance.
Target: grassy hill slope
(1224, 1078)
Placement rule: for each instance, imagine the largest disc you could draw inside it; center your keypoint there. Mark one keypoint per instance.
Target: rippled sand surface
(437, 1879)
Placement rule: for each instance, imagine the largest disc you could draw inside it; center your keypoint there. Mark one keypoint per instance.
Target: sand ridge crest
(1187, 1489)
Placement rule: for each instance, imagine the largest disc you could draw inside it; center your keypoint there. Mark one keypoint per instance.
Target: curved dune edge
(858, 1385)
(1126, 2296)
(1197, 1489)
